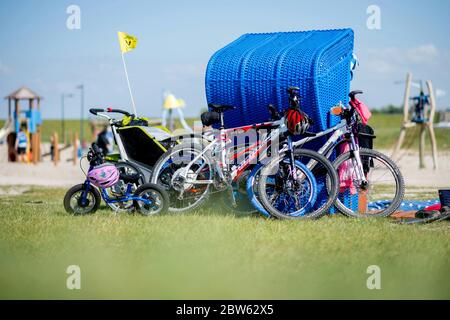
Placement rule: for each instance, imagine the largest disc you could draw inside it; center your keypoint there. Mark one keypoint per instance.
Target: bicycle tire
(159, 166)
(332, 187)
(80, 188)
(155, 188)
(400, 191)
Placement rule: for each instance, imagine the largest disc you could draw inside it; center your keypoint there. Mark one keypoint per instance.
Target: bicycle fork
(292, 159)
(357, 163)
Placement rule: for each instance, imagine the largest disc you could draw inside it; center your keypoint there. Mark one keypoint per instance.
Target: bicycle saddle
(220, 108)
(209, 118)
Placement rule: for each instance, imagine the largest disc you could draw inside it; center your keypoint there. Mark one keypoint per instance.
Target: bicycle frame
(342, 128)
(127, 197)
(257, 149)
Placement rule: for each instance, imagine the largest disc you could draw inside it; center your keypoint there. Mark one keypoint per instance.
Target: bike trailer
(143, 143)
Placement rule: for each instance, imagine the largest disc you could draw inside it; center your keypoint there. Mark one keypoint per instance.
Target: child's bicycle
(148, 199)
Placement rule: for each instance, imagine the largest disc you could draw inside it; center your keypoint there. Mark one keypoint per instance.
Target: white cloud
(440, 93)
(390, 59)
(422, 54)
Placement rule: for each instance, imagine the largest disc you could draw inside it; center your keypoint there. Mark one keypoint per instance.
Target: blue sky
(177, 38)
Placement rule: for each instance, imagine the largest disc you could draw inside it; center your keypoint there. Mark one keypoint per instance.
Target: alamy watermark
(374, 280)
(73, 281)
(73, 21)
(373, 21)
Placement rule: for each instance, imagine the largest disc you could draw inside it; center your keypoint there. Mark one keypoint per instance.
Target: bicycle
(365, 168)
(148, 199)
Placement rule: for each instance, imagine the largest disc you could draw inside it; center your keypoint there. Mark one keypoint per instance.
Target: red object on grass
(436, 206)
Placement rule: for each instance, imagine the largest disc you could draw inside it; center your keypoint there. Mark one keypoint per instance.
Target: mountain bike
(371, 175)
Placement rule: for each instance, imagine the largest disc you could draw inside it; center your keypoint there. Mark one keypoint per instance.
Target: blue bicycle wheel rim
(258, 205)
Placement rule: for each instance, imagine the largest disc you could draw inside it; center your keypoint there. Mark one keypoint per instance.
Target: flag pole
(129, 86)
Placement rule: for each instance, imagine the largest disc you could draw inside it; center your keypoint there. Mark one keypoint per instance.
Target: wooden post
(9, 109)
(362, 202)
(75, 149)
(55, 149)
(405, 115)
(38, 131)
(17, 111)
(422, 146)
(38, 145)
(430, 126)
(406, 98)
(399, 141)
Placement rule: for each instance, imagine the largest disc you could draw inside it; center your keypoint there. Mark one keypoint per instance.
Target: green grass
(72, 127)
(387, 130)
(212, 254)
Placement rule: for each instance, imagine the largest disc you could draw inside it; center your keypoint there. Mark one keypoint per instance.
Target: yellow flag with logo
(127, 42)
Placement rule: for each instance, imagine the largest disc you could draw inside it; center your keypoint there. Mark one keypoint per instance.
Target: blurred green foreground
(210, 254)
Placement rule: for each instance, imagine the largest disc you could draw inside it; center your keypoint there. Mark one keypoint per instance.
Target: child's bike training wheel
(383, 193)
(156, 200)
(322, 171)
(170, 169)
(79, 201)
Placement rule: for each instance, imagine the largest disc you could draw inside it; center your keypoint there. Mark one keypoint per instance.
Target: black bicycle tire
(72, 191)
(159, 189)
(163, 159)
(332, 188)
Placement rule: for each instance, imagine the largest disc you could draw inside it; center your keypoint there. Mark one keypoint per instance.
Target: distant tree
(391, 109)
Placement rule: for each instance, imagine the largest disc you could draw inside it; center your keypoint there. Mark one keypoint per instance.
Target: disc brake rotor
(179, 182)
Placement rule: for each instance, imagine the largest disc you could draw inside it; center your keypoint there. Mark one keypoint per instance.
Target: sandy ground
(426, 178)
(66, 174)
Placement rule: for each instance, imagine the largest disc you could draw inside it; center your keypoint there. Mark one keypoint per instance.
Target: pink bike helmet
(104, 176)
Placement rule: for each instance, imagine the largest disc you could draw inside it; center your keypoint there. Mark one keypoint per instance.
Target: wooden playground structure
(29, 120)
(421, 114)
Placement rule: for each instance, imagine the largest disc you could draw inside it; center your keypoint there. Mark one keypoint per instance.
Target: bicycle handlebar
(95, 111)
(354, 93)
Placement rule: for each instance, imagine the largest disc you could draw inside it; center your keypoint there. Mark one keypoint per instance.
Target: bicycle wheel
(157, 200)
(326, 190)
(168, 170)
(384, 192)
(252, 191)
(74, 204)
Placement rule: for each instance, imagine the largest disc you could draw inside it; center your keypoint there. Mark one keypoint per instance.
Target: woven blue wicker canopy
(256, 69)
